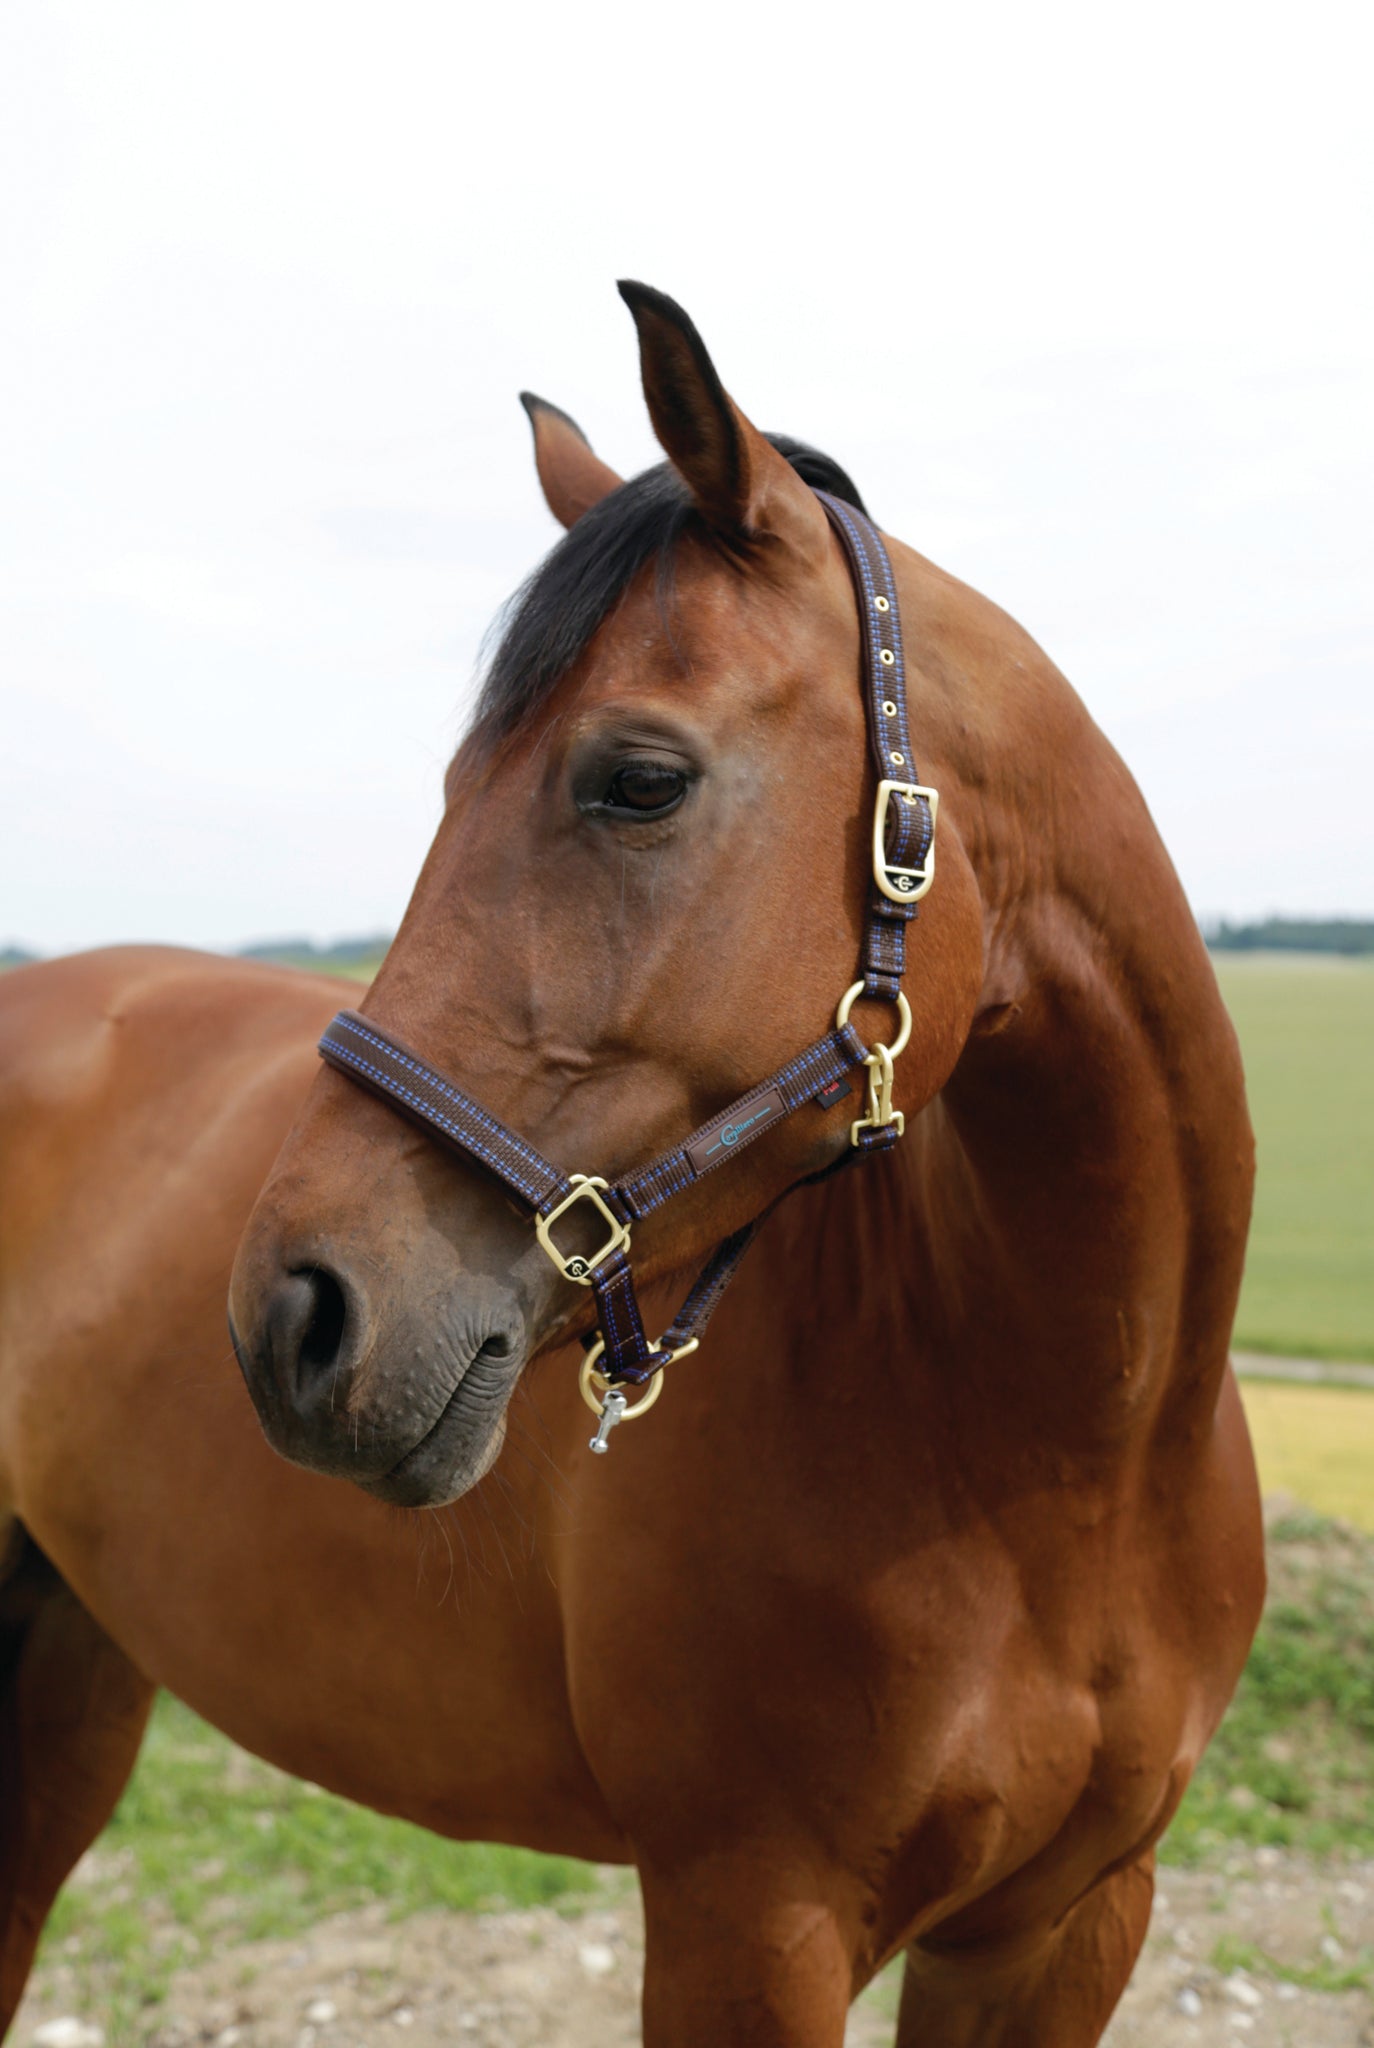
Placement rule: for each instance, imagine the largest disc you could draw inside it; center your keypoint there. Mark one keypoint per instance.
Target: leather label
(735, 1129)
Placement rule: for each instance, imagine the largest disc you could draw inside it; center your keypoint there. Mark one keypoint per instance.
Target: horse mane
(547, 624)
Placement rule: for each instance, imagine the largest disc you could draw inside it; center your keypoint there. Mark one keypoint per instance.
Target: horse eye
(644, 789)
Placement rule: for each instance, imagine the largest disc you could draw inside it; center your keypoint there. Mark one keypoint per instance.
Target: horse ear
(574, 479)
(738, 478)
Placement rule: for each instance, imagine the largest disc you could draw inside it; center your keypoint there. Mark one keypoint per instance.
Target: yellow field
(1316, 1443)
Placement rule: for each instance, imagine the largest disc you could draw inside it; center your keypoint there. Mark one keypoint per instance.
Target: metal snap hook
(610, 1403)
(880, 1113)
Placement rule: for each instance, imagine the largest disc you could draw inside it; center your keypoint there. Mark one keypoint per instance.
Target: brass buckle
(903, 885)
(579, 1266)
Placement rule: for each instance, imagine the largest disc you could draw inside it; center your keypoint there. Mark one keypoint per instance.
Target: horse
(899, 1625)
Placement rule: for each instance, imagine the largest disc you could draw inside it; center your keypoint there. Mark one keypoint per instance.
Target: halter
(903, 868)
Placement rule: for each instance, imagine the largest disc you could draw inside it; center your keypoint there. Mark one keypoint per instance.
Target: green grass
(1293, 1762)
(1356, 1974)
(209, 1844)
(1306, 1029)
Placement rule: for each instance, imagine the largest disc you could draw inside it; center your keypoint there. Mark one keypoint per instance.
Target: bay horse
(902, 1621)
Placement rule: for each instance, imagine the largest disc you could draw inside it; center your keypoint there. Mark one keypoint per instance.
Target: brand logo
(732, 1133)
(577, 1269)
(735, 1130)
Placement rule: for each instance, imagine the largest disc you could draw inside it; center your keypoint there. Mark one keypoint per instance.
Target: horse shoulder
(143, 1093)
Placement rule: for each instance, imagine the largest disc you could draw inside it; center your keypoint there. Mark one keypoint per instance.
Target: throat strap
(902, 869)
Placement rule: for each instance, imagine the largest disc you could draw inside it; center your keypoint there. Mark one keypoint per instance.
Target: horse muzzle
(405, 1398)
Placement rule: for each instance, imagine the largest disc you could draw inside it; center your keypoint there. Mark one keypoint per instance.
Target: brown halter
(903, 867)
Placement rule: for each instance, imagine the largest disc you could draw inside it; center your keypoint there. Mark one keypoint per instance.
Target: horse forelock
(552, 617)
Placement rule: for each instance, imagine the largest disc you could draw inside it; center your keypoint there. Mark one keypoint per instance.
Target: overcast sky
(1080, 294)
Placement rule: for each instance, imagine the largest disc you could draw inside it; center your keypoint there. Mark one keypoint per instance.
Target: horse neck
(1067, 1217)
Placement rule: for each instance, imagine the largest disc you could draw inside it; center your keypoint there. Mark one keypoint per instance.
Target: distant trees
(1293, 935)
(345, 954)
(348, 956)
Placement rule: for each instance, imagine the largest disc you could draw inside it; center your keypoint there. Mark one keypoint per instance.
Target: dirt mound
(521, 1980)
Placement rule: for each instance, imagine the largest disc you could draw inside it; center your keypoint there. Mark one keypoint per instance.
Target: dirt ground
(520, 1980)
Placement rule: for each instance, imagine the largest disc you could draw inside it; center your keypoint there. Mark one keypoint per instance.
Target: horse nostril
(306, 1333)
(321, 1340)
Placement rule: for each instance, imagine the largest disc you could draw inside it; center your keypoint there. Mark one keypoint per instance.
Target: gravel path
(1312, 1372)
(521, 1980)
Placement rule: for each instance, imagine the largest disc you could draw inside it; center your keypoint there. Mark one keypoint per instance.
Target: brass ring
(595, 1386)
(903, 1011)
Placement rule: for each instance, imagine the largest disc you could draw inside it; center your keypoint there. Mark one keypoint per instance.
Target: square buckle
(579, 1266)
(903, 885)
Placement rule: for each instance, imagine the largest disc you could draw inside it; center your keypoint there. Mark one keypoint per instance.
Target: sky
(1080, 295)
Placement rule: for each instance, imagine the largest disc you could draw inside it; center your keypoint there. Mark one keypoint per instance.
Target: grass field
(1306, 1026)
(211, 1845)
(1293, 1762)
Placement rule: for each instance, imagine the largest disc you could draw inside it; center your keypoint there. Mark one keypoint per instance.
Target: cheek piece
(903, 868)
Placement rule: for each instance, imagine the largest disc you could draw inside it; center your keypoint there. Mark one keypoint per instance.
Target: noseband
(903, 867)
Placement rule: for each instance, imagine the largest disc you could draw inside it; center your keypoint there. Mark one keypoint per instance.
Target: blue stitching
(432, 1115)
(454, 1095)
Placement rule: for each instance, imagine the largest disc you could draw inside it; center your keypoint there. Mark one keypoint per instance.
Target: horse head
(645, 893)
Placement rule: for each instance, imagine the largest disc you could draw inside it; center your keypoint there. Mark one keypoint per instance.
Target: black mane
(554, 614)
